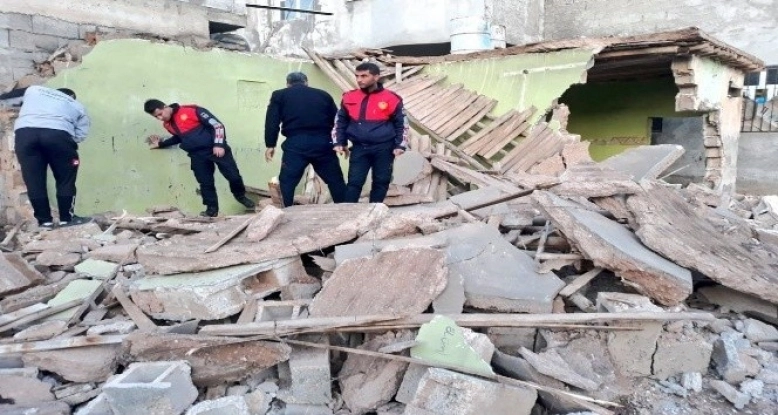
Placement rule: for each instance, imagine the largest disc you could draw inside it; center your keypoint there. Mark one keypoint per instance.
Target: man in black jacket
(306, 116)
(204, 139)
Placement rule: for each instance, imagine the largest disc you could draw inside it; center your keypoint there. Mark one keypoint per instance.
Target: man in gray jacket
(51, 123)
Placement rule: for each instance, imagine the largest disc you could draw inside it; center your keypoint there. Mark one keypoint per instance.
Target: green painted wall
(614, 116)
(118, 171)
(520, 81)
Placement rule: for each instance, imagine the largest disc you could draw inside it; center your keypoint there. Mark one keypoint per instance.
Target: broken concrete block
(58, 259)
(645, 162)
(258, 402)
(551, 364)
(23, 390)
(97, 268)
(119, 253)
(208, 295)
(97, 406)
(16, 274)
(738, 400)
(410, 167)
(611, 245)
(265, 222)
(678, 354)
(552, 166)
(296, 409)
(769, 377)
(727, 359)
(511, 339)
(215, 360)
(452, 299)
(231, 405)
(443, 392)
(83, 364)
(117, 327)
(42, 331)
(692, 381)
(756, 331)
(309, 370)
(367, 383)
(285, 272)
(400, 283)
(41, 408)
(752, 388)
(75, 290)
(737, 301)
(163, 388)
(576, 153)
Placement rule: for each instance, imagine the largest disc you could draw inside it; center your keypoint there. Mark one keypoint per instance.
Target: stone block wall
(13, 194)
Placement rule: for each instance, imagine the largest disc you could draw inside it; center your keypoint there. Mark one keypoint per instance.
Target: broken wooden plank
(468, 116)
(230, 235)
(612, 246)
(669, 226)
(140, 319)
(580, 282)
(37, 315)
(264, 223)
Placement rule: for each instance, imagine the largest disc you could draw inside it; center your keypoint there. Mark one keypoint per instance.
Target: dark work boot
(210, 212)
(245, 201)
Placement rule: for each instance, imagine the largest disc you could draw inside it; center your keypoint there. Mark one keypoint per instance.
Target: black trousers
(299, 152)
(379, 158)
(204, 165)
(37, 149)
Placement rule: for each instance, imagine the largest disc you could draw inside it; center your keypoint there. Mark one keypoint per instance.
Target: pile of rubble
(597, 288)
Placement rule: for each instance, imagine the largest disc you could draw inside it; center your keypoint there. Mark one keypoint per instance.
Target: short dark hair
(67, 91)
(152, 105)
(370, 67)
(295, 78)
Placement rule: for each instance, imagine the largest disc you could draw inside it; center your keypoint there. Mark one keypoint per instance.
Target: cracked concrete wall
(747, 24)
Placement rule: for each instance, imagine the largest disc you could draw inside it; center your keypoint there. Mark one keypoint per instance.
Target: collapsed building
(565, 237)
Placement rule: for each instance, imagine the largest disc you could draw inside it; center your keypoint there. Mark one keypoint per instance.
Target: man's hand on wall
(269, 153)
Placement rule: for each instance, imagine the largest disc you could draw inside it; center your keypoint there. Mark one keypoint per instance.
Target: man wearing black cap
(306, 117)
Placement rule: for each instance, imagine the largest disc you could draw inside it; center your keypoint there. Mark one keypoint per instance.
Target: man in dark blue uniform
(306, 117)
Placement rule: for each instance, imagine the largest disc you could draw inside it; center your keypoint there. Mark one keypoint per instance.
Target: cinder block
(16, 21)
(4, 38)
(160, 388)
(310, 374)
(48, 43)
(231, 405)
(20, 40)
(294, 409)
(84, 29)
(97, 406)
(48, 26)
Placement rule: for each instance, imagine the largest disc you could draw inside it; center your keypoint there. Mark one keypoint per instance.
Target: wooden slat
(425, 109)
(488, 138)
(520, 154)
(466, 116)
(492, 138)
(509, 160)
(443, 104)
(399, 88)
(421, 88)
(453, 111)
(449, 146)
(465, 146)
(345, 73)
(517, 127)
(416, 100)
(467, 127)
(328, 70)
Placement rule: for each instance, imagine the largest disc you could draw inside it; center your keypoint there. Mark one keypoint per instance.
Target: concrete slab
(97, 406)
(58, 259)
(304, 229)
(23, 390)
(443, 392)
(42, 331)
(230, 405)
(756, 331)
(400, 283)
(632, 352)
(612, 246)
(737, 301)
(83, 364)
(410, 167)
(265, 222)
(551, 364)
(116, 253)
(163, 388)
(645, 162)
(208, 295)
(75, 290)
(16, 275)
(677, 354)
(96, 268)
(366, 383)
(217, 360)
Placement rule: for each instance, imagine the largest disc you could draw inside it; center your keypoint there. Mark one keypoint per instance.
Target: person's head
(296, 78)
(158, 109)
(67, 91)
(367, 75)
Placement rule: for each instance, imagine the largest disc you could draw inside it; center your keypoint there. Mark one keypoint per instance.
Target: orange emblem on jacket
(383, 105)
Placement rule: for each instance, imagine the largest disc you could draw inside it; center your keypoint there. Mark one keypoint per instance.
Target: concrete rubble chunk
(97, 406)
(769, 377)
(756, 331)
(96, 268)
(753, 388)
(727, 360)
(452, 299)
(58, 259)
(737, 301)
(739, 400)
(612, 246)
(75, 290)
(208, 295)
(399, 283)
(116, 327)
(214, 360)
(16, 275)
(310, 375)
(367, 383)
(594, 180)
(511, 339)
(669, 226)
(676, 354)
(118, 253)
(23, 390)
(410, 167)
(42, 331)
(297, 409)
(645, 162)
(551, 364)
(82, 364)
(258, 402)
(40, 408)
(692, 381)
(230, 405)
(265, 222)
(443, 392)
(306, 229)
(163, 388)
